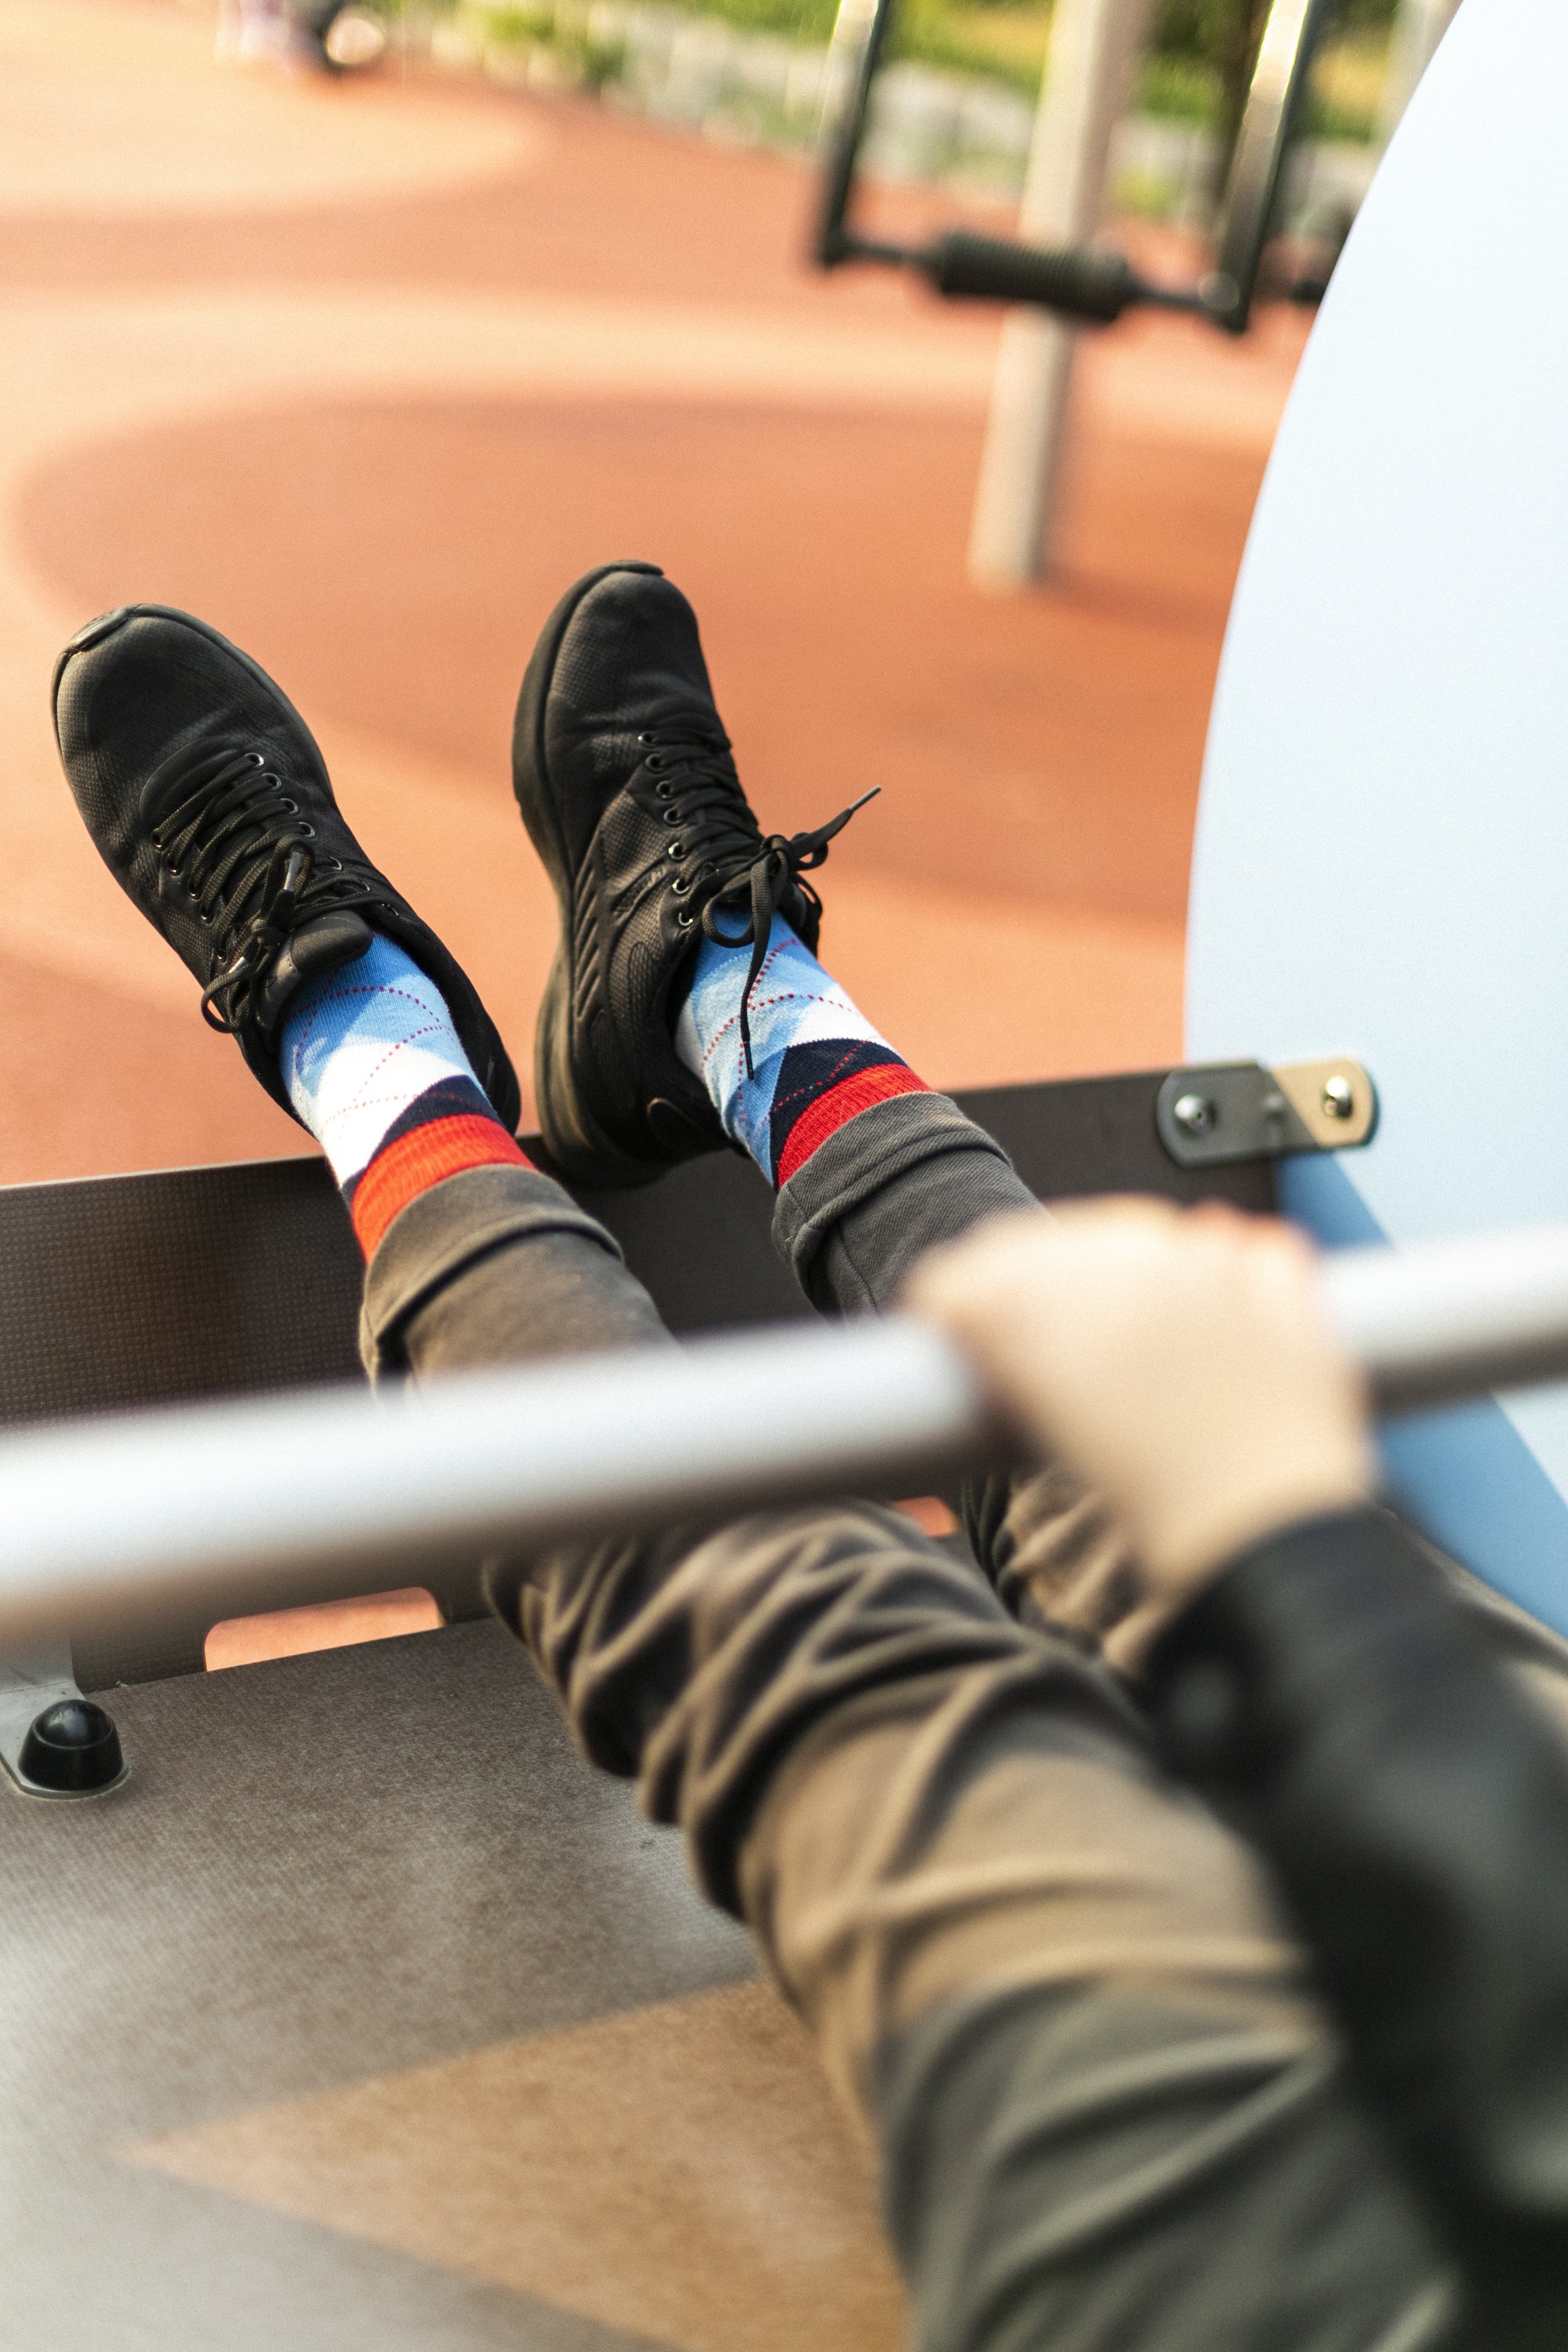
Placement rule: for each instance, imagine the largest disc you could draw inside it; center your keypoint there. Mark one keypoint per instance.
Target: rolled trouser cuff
(444, 1231)
(855, 1218)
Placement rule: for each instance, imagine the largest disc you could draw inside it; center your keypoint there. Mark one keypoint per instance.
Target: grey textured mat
(325, 1872)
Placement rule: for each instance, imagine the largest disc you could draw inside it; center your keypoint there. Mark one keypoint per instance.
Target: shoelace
(238, 843)
(754, 872)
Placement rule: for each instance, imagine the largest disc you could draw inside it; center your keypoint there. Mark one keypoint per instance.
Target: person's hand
(1179, 1360)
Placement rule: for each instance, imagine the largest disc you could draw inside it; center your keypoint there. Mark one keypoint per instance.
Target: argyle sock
(372, 1065)
(816, 1061)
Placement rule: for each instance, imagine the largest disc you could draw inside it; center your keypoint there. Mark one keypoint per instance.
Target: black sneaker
(209, 803)
(623, 772)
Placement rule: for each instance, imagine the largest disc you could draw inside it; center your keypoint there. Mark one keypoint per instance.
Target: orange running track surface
(366, 374)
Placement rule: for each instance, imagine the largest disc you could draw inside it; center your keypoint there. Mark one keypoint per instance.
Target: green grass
(809, 22)
(1006, 44)
(1347, 82)
(1183, 89)
(1004, 40)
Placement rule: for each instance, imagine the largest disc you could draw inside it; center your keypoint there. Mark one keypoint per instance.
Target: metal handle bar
(1443, 1321)
(131, 1515)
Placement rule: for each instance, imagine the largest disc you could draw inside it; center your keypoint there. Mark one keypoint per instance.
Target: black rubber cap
(72, 1745)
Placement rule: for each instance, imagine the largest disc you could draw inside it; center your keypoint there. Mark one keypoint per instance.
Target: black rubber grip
(1079, 280)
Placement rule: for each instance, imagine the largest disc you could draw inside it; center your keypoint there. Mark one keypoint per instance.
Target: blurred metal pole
(1418, 28)
(1086, 74)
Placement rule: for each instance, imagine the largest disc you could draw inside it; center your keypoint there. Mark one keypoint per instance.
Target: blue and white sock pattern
(360, 1047)
(813, 1050)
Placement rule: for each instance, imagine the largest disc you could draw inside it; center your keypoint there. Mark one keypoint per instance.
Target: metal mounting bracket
(1224, 1111)
(86, 1760)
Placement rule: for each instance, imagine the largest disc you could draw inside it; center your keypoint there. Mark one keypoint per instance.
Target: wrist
(1184, 1541)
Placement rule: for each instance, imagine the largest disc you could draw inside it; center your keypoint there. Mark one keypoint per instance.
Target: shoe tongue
(317, 948)
(685, 723)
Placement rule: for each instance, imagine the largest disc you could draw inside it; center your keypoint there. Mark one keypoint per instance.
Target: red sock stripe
(834, 1110)
(425, 1156)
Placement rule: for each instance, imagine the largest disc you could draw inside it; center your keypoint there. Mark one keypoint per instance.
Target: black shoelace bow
(238, 843)
(752, 874)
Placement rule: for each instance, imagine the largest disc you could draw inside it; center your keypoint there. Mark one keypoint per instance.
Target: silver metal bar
(334, 1491)
(1441, 1321)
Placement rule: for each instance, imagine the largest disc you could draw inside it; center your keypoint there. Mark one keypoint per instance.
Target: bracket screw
(1196, 1114)
(1339, 1098)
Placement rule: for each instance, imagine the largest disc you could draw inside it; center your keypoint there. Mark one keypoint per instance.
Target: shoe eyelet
(673, 816)
(680, 886)
(662, 792)
(675, 849)
(306, 830)
(687, 922)
(655, 763)
(257, 758)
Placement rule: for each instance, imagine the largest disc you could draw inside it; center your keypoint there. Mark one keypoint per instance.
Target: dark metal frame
(1093, 283)
(200, 1282)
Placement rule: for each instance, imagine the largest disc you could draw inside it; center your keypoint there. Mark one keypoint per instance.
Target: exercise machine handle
(1077, 281)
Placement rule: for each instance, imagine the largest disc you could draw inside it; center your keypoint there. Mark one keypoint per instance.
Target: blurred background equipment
(1054, 267)
(349, 38)
(1064, 198)
(334, 37)
(1262, 52)
(1079, 280)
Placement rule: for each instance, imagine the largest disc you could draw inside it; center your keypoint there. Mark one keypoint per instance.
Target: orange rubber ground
(366, 374)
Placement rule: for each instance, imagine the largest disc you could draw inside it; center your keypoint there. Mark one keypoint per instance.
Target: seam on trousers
(1425, 2323)
(843, 1252)
(1089, 2226)
(989, 2276)
(470, 1216)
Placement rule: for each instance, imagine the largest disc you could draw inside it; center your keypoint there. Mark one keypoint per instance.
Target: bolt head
(72, 1748)
(1196, 1114)
(1339, 1098)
